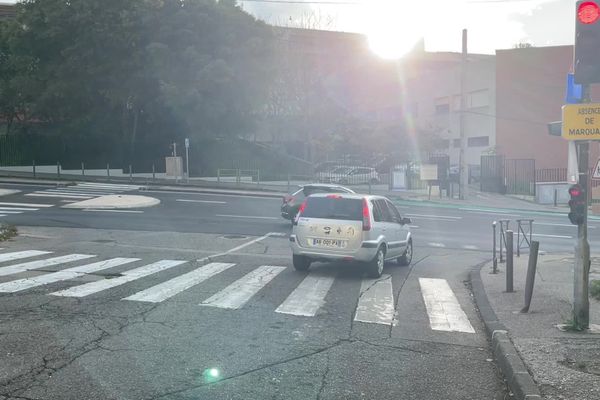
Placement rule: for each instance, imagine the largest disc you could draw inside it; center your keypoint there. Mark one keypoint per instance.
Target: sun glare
(393, 29)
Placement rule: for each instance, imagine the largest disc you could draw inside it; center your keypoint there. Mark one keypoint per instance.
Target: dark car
(292, 202)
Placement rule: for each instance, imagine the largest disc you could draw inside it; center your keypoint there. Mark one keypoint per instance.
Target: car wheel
(375, 266)
(406, 258)
(374, 181)
(301, 263)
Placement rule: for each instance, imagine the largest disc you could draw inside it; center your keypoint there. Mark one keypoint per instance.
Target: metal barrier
(521, 231)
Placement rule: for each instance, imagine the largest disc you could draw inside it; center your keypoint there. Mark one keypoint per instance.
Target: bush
(595, 289)
(7, 232)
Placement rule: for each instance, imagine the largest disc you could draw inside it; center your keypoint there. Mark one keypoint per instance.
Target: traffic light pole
(463, 168)
(581, 302)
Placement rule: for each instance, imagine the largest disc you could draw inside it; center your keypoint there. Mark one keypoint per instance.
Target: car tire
(375, 266)
(374, 181)
(301, 263)
(406, 258)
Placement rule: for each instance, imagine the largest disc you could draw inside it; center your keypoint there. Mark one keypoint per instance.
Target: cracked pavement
(102, 347)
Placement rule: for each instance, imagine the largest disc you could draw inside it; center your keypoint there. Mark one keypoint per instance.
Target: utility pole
(581, 300)
(463, 105)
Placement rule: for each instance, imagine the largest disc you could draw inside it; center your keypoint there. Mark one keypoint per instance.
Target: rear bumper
(365, 253)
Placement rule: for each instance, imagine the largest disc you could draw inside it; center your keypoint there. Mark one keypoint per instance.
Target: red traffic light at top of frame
(575, 191)
(588, 12)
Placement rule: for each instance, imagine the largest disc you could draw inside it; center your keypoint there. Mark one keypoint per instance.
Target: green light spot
(211, 375)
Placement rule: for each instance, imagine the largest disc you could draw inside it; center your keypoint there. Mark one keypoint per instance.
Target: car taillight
(300, 211)
(334, 196)
(366, 216)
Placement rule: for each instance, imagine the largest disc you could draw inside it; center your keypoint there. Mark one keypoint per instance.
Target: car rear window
(333, 208)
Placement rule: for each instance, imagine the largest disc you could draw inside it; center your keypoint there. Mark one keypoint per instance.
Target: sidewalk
(563, 365)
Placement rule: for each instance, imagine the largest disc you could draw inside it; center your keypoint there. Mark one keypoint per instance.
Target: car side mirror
(405, 221)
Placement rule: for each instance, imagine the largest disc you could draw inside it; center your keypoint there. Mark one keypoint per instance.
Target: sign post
(187, 159)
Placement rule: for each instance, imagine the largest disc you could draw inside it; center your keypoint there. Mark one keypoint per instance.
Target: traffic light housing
(577, 204)
(587, 42)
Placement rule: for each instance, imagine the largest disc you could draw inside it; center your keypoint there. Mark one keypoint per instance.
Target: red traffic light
(575, 191)
(588, 12)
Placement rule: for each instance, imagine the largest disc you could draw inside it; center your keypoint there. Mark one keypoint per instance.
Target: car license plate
(329, 243)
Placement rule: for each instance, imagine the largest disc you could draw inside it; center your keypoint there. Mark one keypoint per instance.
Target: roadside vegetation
(7, 232)
(595, 289)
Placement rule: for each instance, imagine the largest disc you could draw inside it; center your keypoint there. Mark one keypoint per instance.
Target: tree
(132, 70)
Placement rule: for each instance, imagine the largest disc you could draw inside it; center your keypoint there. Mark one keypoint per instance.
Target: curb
(507, 358)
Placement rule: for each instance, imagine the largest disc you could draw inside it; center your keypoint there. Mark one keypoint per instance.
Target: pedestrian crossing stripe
(84, 191)
(127, 276)
(239, 292)
(375, 303)
(66, 274)
(443, 308)
(308, 297)
(170, 288)
(15, 269)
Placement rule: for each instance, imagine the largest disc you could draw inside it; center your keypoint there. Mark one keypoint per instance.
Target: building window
(442, 105)
(479, 141)
(442, 108)
(478, 98)
(456, 143)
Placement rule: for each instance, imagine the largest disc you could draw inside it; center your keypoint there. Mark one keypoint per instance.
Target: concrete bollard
(509, 262)
(530, 280)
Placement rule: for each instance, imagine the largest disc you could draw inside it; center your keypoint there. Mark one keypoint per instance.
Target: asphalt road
(196, 299)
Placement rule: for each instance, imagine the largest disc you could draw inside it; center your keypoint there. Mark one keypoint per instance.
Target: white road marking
(127, 276)
(170, 288)
(15, 269)
(27, 205)
(278, 199)
(376, 301)
(243, 245)
(239, 292)
(17, 255)
(106, 186)
(69, 273)
(2, 209)
(66, 196)
(470, 247)
(565, 225)
(244, 216)
(11, 212)
(201, 201)
(308, 297)
(2, 215)
(433, 244)
(442, 217)
(493, 213)
(113, 211)
(78, 192)
(414, 226)
(552, 236)
(443, 308)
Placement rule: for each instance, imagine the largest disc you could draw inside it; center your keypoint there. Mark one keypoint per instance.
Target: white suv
(350, 227)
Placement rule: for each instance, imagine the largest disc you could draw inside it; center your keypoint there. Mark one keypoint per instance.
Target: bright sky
(395, 25)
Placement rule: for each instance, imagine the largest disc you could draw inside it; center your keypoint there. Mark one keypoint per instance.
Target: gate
(492, 174)
(520, 176)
